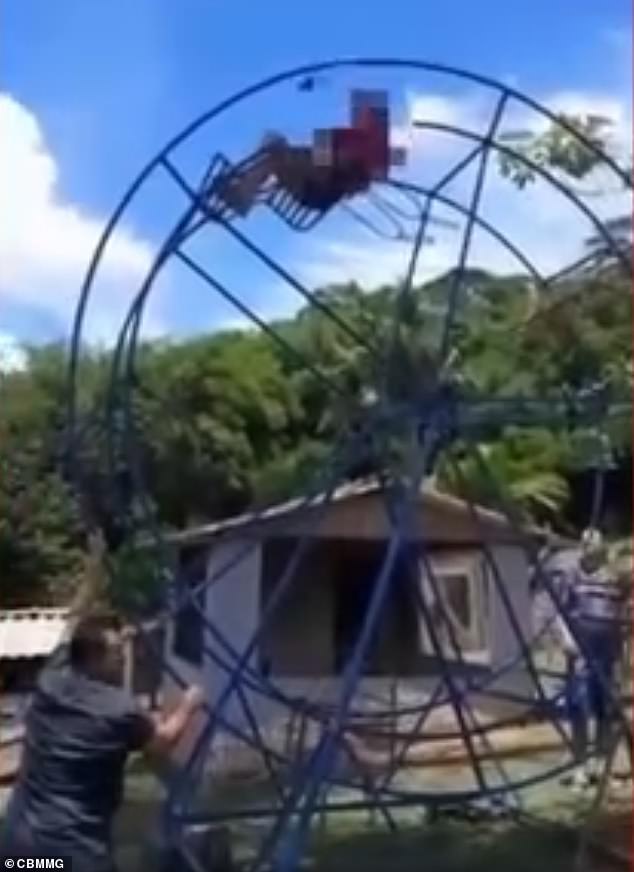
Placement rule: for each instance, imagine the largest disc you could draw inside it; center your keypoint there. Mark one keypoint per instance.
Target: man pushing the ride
(80, 729)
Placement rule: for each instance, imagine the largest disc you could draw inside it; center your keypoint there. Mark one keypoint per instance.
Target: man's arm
(170, 727)
(566, 639)
(562, 627)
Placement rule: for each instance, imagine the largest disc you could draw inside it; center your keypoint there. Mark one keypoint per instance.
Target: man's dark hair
(89, 642)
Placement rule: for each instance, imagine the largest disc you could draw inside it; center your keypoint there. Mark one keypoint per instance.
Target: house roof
(30, 632)
(430, 496)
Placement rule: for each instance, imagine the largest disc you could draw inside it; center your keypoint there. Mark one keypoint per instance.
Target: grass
(350, 844)
(441, 847)
(449, 847)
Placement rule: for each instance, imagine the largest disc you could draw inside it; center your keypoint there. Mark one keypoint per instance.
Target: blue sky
(91, 89)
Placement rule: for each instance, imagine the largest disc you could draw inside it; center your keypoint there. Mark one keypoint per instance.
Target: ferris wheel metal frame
(439, 416)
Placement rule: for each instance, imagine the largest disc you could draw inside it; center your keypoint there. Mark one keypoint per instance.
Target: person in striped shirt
(592, 638)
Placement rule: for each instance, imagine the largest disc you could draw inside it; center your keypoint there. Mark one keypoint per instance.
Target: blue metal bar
(474, 727)
(255, 249)
(481, 222)
(249, 313)
(259, 87)
(458, 275)
(316, 770)
(321, 761)
(454, 694)
(280, 591)
(502, 592)
(544, 174)
(459, 697)
(415, 798)
(193, 767)
(127, 438)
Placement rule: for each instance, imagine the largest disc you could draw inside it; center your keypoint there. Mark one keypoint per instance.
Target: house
(331, 553)
(27, 637)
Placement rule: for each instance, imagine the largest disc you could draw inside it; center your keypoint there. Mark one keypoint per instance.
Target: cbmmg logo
(34, 863)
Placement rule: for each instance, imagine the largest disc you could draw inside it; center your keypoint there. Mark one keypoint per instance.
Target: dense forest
(236, 419)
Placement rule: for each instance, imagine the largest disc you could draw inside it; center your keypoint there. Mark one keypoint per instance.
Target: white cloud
(334, 262)
(12, 355)
(473, 111)
(371, 264)
(46, 241)
(588, 103)
(466, 111)
(470, 111)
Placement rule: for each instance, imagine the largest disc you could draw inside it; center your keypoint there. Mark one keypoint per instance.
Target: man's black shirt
(79, 732)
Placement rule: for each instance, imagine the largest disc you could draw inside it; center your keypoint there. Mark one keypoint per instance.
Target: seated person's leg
(577, 710)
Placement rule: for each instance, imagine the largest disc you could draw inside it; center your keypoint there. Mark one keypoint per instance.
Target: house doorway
(355, 571)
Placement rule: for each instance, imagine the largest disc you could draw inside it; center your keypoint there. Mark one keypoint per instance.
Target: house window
(458, 604)
(458, 599)
(189, 624)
